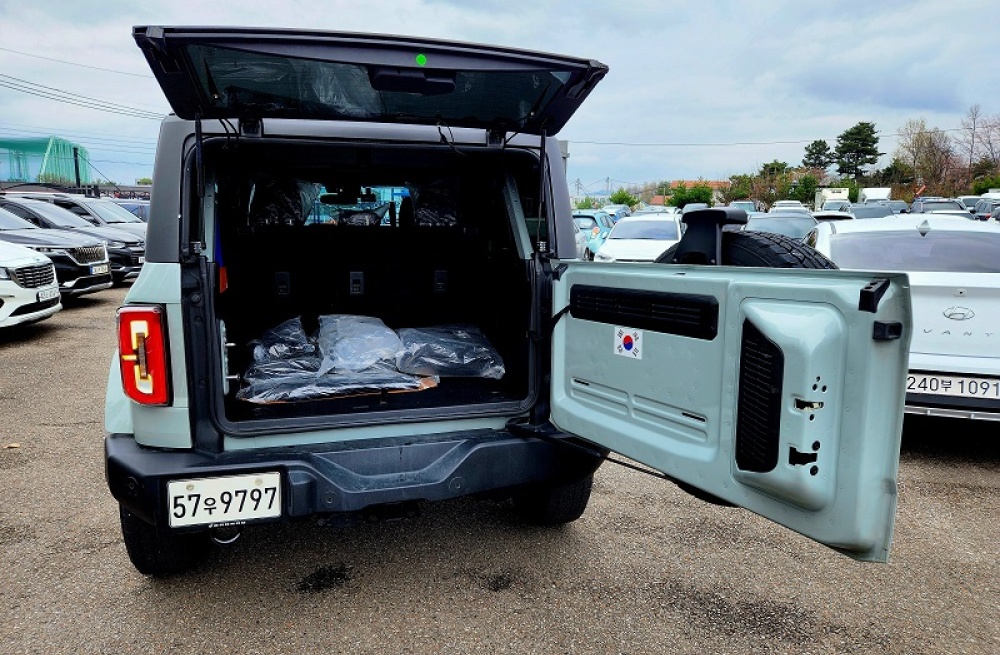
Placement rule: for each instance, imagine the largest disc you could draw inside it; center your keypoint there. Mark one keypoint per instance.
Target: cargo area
(414, 237)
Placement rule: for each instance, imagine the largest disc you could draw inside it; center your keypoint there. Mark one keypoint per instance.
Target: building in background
(51, 160)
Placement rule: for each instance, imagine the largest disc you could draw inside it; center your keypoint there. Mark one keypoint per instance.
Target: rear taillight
(596, 231)
(142, 352)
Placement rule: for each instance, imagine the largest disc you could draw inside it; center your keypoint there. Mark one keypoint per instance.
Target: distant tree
(144, 181)
(985, 184)
(802, 189)
(681, 195)
(857, 147)
(988, 139)
(622, 197)
(930, 153)
(853, 188)
(818, 155)
(966, 140)
(898, 172)
(585, 203)
(740, 188)
(985, 167)
(910, 144)
(773, 169)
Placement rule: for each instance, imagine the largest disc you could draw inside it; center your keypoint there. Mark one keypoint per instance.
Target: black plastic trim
(758, 414)
(684, 314)
(872, 294)
(349, 476)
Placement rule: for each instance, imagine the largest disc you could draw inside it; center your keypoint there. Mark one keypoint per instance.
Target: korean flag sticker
(628, 342)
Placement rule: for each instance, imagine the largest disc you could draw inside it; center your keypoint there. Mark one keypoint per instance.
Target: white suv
(29, 290)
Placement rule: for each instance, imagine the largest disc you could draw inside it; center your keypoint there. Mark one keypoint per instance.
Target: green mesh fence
(45, 159)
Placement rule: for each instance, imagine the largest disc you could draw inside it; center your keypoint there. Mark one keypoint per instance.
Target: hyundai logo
(959, 313)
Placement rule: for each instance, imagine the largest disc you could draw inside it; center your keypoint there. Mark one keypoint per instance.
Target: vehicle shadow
(26, 332)
(927, 437)
(464, 544)
(89, 300)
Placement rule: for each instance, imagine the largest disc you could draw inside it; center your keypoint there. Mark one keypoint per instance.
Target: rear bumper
(86, 284)
(951, 407)
(348, 477)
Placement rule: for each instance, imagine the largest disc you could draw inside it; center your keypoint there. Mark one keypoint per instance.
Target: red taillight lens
(142, 352)
(595, 231)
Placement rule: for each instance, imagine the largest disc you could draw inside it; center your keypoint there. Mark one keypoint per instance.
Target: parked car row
(62, 245)
(953, 268)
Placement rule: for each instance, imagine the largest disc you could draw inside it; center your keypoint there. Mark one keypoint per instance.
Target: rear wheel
(763, 249)
(554, 504)
(158, 554)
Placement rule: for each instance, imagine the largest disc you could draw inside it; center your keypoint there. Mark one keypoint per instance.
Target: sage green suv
(361, 292)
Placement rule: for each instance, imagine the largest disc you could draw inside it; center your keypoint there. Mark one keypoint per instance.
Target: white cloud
(730, 71)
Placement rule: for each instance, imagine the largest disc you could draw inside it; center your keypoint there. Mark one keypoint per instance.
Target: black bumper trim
(349, 477)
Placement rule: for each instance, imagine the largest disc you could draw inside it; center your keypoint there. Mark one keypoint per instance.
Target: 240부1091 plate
(228, 499)
(953, 385)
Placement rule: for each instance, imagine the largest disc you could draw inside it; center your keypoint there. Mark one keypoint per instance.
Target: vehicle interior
(414, 236)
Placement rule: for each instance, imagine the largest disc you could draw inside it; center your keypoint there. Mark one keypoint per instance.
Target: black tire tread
(555, 504)
(161, 555)
(765, 250)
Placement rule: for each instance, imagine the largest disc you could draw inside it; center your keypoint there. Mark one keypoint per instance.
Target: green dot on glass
(421, 60)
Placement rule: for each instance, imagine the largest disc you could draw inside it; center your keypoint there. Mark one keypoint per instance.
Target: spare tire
(762, 249)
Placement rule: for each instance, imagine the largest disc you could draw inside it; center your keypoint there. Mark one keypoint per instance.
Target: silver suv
(361, 292)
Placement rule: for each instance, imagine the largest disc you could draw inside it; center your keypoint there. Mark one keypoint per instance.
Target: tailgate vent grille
(684, 314)
(758, 419)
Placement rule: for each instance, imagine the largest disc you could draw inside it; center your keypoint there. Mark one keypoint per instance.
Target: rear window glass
(941, 251)
(658, 229)
(112, 213)
(295, 87)
(790, 226)
(942, 205)
(871, 211)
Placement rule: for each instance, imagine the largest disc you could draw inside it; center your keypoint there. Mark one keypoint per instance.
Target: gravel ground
(648, 569)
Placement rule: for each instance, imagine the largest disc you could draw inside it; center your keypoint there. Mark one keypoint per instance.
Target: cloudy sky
(697, 89)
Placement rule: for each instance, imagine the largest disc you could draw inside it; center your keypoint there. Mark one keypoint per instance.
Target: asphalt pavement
(648, 569)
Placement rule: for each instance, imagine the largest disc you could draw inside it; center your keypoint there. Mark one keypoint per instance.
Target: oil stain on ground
(498, 581)
(324, 578)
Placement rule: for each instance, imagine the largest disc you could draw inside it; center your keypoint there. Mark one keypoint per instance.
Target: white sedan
(640, 238)
(954, 271)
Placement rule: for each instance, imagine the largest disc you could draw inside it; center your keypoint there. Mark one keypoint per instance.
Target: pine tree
(818, 155)
(857, 147)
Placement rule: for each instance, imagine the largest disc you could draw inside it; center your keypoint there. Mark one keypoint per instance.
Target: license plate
(47, 294)
(99, 269)
(235, 498)
(142, 260)
(953, 385)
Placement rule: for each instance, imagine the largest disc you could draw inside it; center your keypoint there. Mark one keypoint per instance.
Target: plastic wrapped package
(354, 343)
(306, 385)
(260, 371)
(286, 341)
(448, 351)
